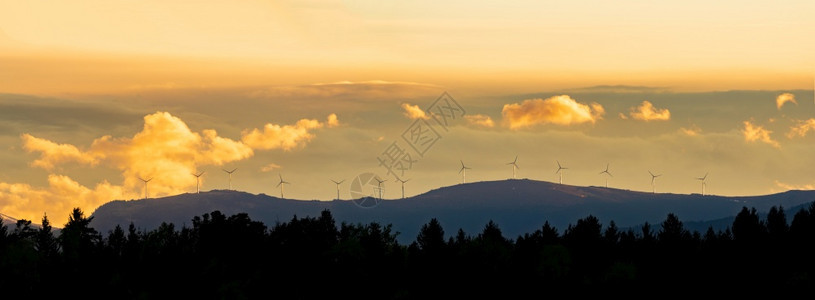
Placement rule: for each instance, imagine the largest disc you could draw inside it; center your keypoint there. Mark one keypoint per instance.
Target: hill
(517, 206)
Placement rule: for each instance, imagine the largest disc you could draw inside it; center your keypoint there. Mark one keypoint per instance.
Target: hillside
(517, 206)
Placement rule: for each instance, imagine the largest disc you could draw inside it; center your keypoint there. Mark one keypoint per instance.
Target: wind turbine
(560, 170)
(379, 186)
(607, 173)
(703, 178)
(230, 176)
(338, 187)
(280, 184)
(514, 164)
(463, 172)
(403, 187)
(198, 182)
(145, 185)
(653, 179)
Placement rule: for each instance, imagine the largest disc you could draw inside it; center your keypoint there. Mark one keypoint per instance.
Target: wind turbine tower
(230, 176)
(338, 186)
(198, 182)
(607, 173)
(463, 172)
(145, 185)
(280, 184)
(403, 187)
(514, 164)
(379, 186)
(560, 170)
(703, 178)
(653, 181)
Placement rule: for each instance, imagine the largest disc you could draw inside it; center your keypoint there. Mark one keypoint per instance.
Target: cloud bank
(165, 149)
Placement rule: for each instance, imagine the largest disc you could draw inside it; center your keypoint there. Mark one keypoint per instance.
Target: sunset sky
(96, 94)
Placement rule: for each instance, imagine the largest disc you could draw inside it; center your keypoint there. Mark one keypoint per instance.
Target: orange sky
(314, 90)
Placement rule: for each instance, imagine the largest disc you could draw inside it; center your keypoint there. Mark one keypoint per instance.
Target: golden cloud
(802, 128)
(784, 98)
(480, 120)
(754, 133)
(413, 112)
(647, 112)
(373, 89)
(286, 137)
(57, 200)
(53, 153)
(332, 121)
(794, 187)
(559, 110)
(165, 150)
(270, 167)
(692, 131)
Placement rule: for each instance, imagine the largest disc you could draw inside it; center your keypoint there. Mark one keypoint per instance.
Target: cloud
(754, 133)
(53, 153)
(559, 110)
(802, 128)
(784, 98)
(794, 187)
(413, 112)
(56, 200)
(480, 120)
(692, 131)
(286, 137)
(270, 167)
(372, 89)
(332, 121)
(165, 150)
(618, 89)
(647, 112)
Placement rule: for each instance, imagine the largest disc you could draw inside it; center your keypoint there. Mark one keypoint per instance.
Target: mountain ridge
(518, 206)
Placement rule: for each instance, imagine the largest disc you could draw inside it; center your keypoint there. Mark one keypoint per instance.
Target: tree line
(235, 257)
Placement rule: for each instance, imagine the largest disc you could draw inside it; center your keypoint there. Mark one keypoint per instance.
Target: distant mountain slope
(11, 222)
(517, 206)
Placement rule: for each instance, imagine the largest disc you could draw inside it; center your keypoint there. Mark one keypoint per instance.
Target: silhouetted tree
(673, 231)
(585, 241)
(747, 227)
(115, 242)
(47, 244)
(431, 237)
(802, 227)
(79, 242)
(612, 234)
(777, 225)
(646, 234)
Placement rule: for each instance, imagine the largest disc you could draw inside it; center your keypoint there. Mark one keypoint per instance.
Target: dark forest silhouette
(234, 257)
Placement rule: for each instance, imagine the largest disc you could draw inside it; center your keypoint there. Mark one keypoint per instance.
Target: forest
(234, 257)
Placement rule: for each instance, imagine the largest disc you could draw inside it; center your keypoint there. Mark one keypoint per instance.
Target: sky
(97, 96)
